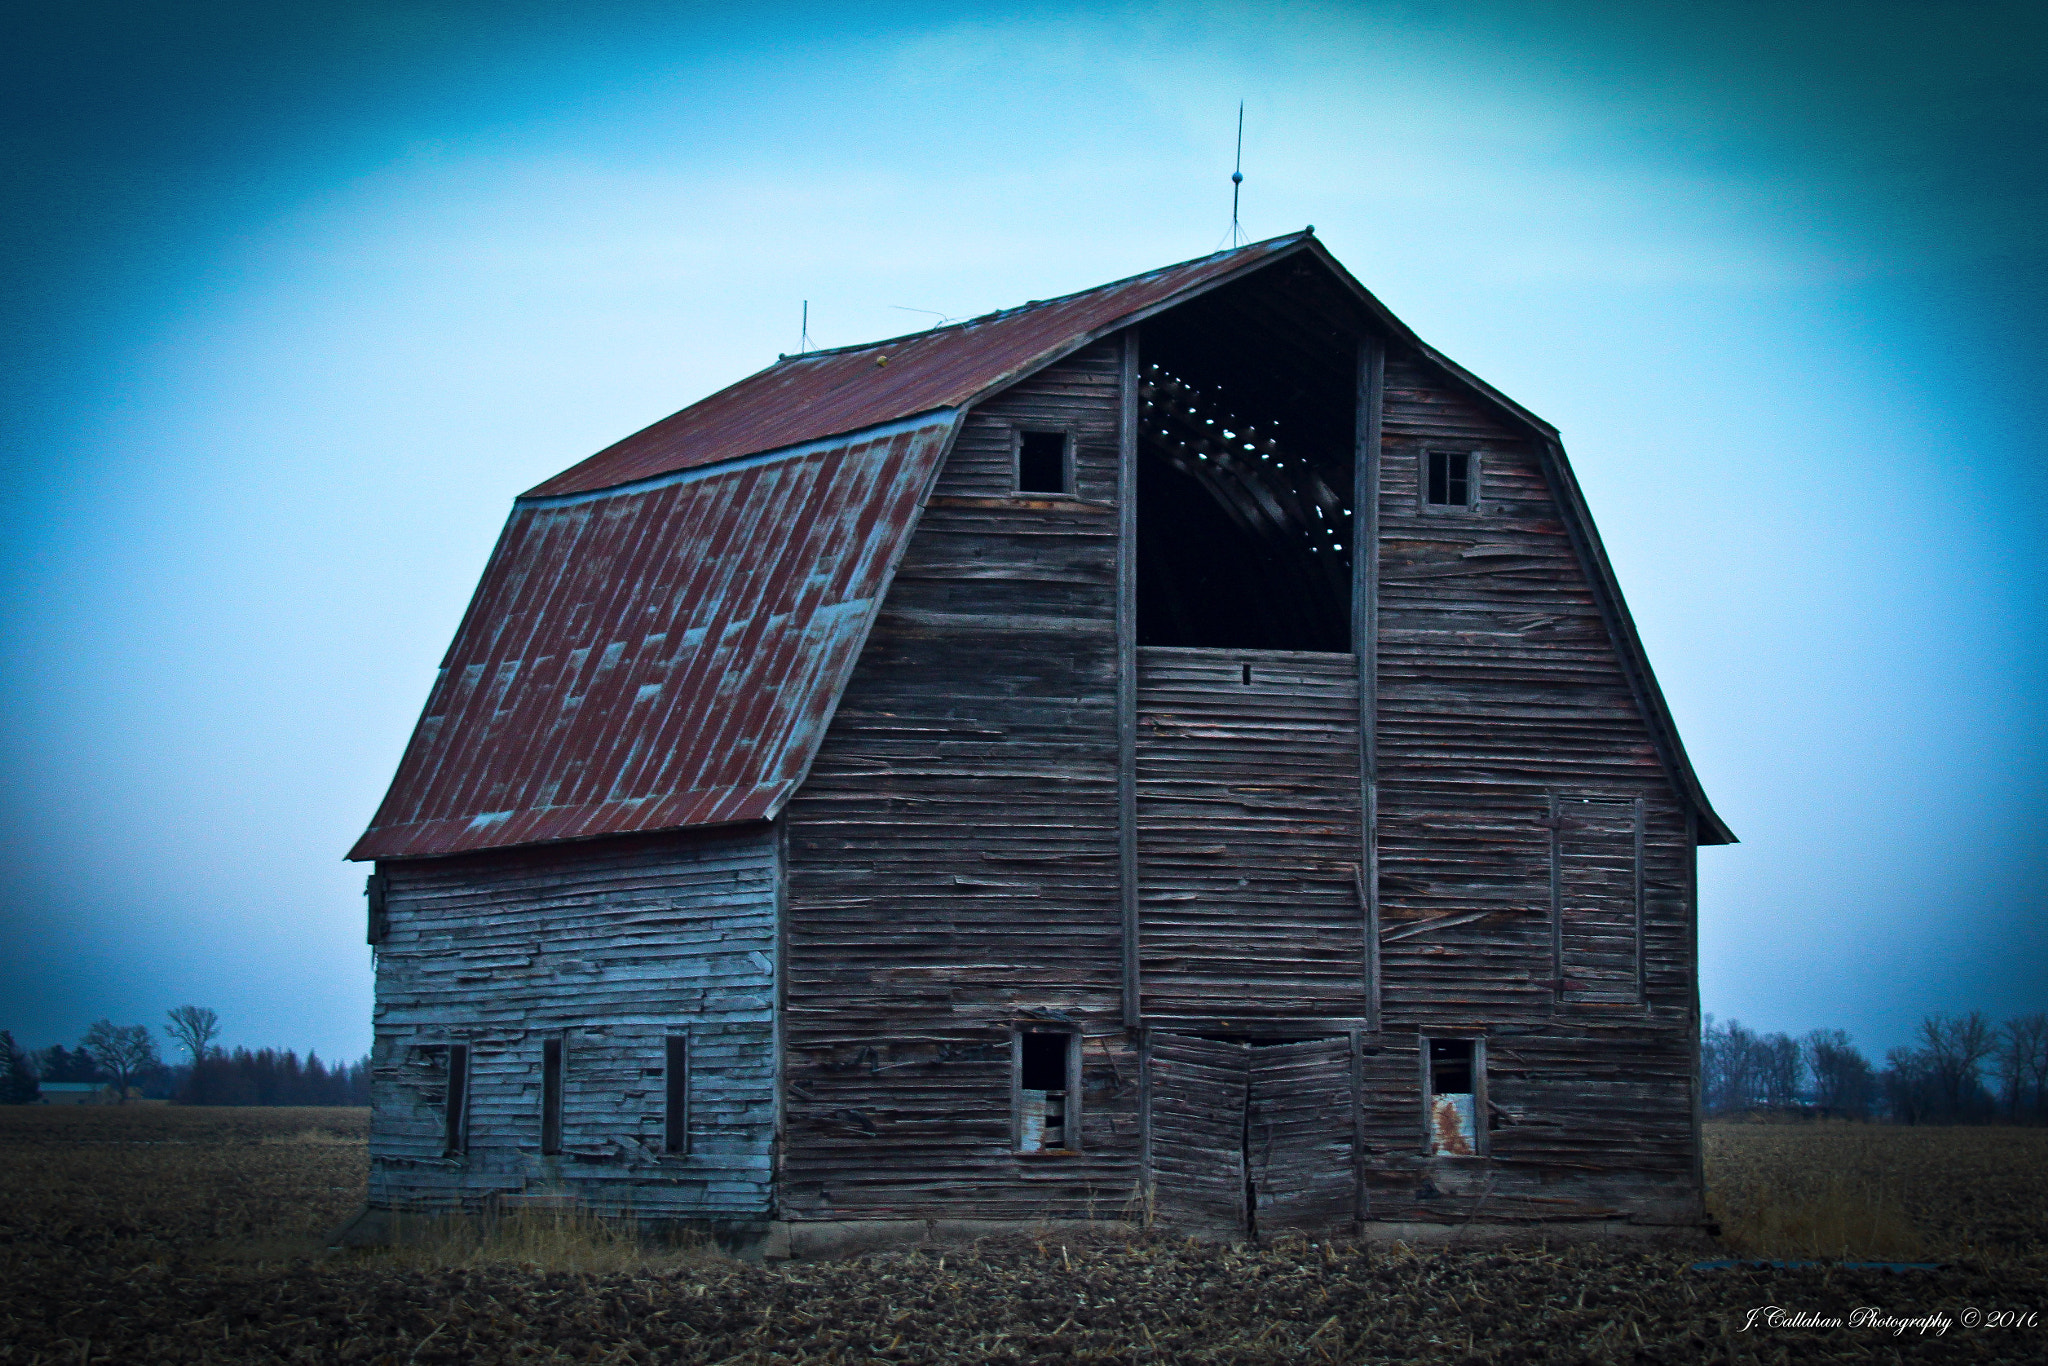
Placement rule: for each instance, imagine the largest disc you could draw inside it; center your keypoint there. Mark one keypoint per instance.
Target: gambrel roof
(664, 630)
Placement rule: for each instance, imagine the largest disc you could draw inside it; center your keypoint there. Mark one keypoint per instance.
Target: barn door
(1300, 1136)
(1198, 1089)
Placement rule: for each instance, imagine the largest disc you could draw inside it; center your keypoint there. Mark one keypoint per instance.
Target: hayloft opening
(1042, 465)
(1247, 424)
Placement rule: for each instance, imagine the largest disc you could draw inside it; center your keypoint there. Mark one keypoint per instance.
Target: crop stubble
(158, 1235)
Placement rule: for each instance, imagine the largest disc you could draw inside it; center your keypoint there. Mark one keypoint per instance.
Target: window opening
(551, 1096)
(1042, 462)
(1247, 675)
(676, 1085)
(1450, 479)
(1048, 1113)
(455, 1131)
(1454, 1097)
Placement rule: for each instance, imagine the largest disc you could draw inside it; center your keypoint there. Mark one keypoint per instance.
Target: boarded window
(1042, 465)
(1048, 1108)
(455, 1108)
(1453, 1097)
(551, 1062)
(376, 888)
(676, 1084)
(1598, 894)
(1449, 479)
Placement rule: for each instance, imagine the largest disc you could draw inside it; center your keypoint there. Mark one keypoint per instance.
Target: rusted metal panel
(820, 393)
(658, 657)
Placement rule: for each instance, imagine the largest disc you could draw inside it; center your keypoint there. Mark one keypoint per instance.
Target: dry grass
(567, 1240)
(1881, 1192)
(188, 1237)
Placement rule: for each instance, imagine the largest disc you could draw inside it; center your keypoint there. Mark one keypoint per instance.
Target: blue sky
(301, 300)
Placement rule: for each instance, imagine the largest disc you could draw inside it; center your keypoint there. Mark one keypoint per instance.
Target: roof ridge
(991, 316)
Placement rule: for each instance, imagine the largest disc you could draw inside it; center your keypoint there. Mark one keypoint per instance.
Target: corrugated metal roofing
(660, 657)
(825, 393)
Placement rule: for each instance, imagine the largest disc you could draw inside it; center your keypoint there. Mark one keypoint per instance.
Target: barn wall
(953, 855)
(1248, 836)
(1512, 753)
(614, 945)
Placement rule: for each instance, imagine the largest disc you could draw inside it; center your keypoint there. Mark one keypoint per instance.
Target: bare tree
(1842, 1078)
(2023, 1058)
(18, 1082)
(1778, 1067)
(194, 1028)
(1955, 1049)
(1909, 1086)
(124, 1051)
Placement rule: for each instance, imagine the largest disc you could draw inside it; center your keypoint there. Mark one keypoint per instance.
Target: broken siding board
(610, 945)
(954, 856)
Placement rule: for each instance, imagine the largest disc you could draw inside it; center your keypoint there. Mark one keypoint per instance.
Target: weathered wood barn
(1176, 748)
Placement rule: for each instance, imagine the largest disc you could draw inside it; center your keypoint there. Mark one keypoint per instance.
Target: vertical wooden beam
(1145, 1182)
(778, 1023)
(1692, 975)
(1365, 645)
(1361, 1199)
(1428, 1094)
(1556, 901)
(1642, 986)
(1481, 1143)
(1127, 672)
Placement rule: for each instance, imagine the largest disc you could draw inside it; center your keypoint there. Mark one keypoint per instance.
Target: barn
(1174, 751)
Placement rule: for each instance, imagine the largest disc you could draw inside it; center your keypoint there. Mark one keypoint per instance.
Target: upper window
(1450, 479)
(1042, 464)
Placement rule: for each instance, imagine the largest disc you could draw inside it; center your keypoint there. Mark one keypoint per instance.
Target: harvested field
(190, 1236)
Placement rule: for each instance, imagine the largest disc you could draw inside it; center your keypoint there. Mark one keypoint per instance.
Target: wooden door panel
(1198, 1089)
(1302, 1137)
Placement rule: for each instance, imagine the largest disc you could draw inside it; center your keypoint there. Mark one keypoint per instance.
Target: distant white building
(76, 1093)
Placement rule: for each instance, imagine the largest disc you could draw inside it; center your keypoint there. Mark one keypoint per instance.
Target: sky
(300, 297)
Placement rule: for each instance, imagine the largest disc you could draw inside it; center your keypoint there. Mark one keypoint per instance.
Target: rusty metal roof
(826, 393)
(663, 631)
(660, 657)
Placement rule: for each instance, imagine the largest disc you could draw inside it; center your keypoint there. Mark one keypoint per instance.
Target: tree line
(1960, 1069)
(125, 1059)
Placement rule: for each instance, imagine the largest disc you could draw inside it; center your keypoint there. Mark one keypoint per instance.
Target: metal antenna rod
(805, 344)
(1237, 179)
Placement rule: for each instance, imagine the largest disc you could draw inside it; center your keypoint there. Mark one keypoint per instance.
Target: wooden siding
(1534, 860)
(1248, 835)
(612, 946)
(953, 854)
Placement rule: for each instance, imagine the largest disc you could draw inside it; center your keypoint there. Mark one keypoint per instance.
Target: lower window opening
(455, 1128)
(1046, 1122)
(676, 1087)
(551, 1096)
(1453, 1098)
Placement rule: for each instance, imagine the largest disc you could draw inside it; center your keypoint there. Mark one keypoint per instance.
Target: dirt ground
(166, 1235)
